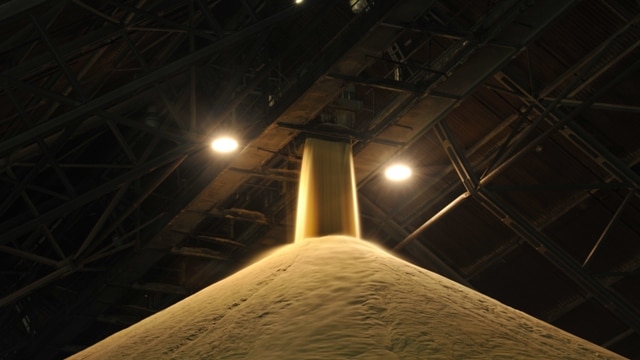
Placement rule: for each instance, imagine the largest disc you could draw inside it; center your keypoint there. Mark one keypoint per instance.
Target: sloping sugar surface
(340, 298)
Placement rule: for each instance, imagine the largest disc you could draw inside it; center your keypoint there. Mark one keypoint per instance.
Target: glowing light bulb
(224, 144)
(299, 1)
(397, 172)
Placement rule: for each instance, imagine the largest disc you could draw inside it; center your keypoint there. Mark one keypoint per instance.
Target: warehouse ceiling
(520, 120)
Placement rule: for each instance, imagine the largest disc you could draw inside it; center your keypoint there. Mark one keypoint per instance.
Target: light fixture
(299, 1)
(358, 6)
(224, 144)
(397, 172)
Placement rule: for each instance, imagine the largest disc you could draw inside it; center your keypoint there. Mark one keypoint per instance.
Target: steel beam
(43, 281)
(160, 287)
(110, 117)
(211, 21)
(48, 154)
(158, 19)
(102, 219)
(582, 71)
(596, 105)
(558, 257)
(13, 8)
(103, 34)
(565, 121)
(59, 60)
(452, 205)
(607, 229)
(469, 64)
(548, 110)
(11, 233)
(146, 81)
(160, 178)
(29, 256)
(605, 158)
(438, 265)
(217, 240)
(582, 139)
(544, 245)
(199, 252)
(381, 83)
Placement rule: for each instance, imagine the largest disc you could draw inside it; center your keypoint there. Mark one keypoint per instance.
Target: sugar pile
(338, 297)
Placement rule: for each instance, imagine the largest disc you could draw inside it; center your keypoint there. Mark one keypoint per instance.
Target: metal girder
(265, 175)
(199, 252)
(96, 240)
(468, 64)
(465, 172)
(29, 256)
(570, 186)
(217, 240)
(382, 83)
(146, 81)
(160, 287)
(11, 233)
(173, 25)
(103, 219)
(59, 60)
(462, 86)
(584, 70)
(597, 105)
(565, 121)
(452, 205)
(473, 150)
(48, 154)
(211, 21)
(47, 279)
(559, 258)
(96, 36)
(438, 265)
(591, 63)
(123, 214)
(338, 132)
(515, 243)
(581, 138)
(13, 196)
(543, 244)
(241, 215)
(304, 97)
(12, 8)
(230, 101)
(607, 229)
(605, 158)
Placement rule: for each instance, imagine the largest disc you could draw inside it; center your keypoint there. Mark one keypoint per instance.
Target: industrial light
(358, 6)
(397, 172)
(224, 144)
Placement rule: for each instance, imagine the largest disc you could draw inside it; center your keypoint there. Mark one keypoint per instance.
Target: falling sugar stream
(327, 202)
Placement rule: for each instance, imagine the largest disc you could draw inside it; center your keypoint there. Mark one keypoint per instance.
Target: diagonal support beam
(56, 55)
(552, 252)
(607, 229)
(28, 256)
(180, 153)
(546, 247)
(460, 163)
(12, 8)
(144, 82)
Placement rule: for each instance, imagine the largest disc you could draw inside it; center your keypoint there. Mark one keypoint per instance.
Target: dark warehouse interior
(519, 118)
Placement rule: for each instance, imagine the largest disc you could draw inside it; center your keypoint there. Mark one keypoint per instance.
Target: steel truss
(154, 155)
(479, 188)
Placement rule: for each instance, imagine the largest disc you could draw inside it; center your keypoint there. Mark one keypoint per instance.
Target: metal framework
(106, 174)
